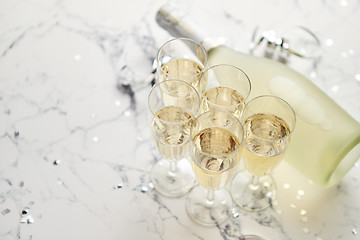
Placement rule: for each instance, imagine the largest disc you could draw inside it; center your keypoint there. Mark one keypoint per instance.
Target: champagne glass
(173, 105)
(224, 87)
(183, 59)
(268, 123)
(215, 154)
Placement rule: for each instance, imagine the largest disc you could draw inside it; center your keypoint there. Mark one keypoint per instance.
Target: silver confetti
(354, 231)
(144, 189)
(236, 215)
(306, 230)
(30, 220)
(27, 219)
(21, 184)
(5, 211)
(119, 185)
(57, 162)
(151, 185)
(16, 133)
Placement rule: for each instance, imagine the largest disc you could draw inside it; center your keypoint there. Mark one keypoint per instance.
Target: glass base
(172, 183)
(209, 213)
(251, 197)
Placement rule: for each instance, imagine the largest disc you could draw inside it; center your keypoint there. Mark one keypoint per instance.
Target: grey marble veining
(75, 148)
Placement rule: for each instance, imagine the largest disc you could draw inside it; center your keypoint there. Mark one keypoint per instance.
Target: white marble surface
(75, 150)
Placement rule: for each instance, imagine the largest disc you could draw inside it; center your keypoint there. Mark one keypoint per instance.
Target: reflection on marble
(74, 140)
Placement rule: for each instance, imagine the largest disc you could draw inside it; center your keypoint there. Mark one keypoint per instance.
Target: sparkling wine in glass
(268, 123)
(173, 105)
(181, 58)
(215, 155)
(224, 87)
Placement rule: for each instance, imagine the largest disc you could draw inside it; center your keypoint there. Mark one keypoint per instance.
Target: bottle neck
(178, 24)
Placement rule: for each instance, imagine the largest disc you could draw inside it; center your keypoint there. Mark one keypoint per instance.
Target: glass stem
(254, 182)
(173, 168)
(210, 197)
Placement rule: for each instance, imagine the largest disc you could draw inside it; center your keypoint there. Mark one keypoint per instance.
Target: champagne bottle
(326, 141)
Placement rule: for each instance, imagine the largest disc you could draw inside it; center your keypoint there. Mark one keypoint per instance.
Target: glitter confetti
(77, 57)
(117, 103)
(235, 215)
(343, 3)
(5, 211)
(303, 212)
(27, 219)
(306, 230)
(335, 88)
(144, 189)
(16, 133)
(300, 194)
(119, 185)
(286, 186)
(329, 42)
(269, 194)
(266, 184)
(344, 54)
(354, 231)
(313, 74)
(292, 205)
(127, 113)
(151, 185)
(357, 77)
(95, 139)
(57, 162)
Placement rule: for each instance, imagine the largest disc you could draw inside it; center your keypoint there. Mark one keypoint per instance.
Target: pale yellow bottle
(326, 141)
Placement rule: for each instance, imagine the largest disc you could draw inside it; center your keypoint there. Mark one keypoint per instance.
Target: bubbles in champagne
(171, 130)
(214, 156)
(265, 142)
(184, 69)
(223, 98)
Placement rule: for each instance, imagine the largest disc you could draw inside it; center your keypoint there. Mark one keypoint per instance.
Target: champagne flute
(183, 59)
(215, 154)
(224, 87)
(268, 123)
(173, 105)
